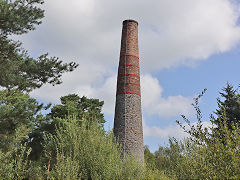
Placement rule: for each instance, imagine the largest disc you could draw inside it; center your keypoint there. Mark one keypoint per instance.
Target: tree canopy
(17, 111)
(81, 107)
(17, 68)
(71, 106)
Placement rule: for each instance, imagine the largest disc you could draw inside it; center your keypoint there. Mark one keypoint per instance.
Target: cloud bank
(171, 32)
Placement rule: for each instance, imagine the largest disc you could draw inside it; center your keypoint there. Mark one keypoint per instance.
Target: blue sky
(185, 46)
(212, 74)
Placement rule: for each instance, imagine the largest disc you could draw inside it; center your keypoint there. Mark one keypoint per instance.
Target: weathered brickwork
(130, 79)
(129, 60)
(128, 71)
(128, 115)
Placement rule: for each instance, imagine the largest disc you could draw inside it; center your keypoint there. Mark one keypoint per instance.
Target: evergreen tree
(20, 73)
(81, 107)
(208, 152)
(17, 68)
(17, 112)
(71, 105)
(228, 108)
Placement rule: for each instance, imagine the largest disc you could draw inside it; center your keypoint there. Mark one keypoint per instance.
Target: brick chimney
(128, 114)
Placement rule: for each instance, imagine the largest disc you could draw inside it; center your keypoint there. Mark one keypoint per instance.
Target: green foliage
(88, 152)
(162, 156)
(17, 69)
(14, 162)
(83, 107)
(17, 111)
(74, 152)
(149, 158)
(229, 109)
(204, 155)
(19, 16)
(189, 160)
(21, 73)
(72, 105)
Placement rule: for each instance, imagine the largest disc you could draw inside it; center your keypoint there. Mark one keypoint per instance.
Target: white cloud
(163, 133)
(171, 32)
(152, 99)
(83, 81)
(155, 103)
(169, 131)
(151, 89)
(189, 30)
(107, 92)
(172, 106)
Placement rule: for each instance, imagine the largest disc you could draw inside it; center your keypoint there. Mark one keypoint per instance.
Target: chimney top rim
(130, 20)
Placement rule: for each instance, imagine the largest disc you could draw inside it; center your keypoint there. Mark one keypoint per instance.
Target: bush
(80, 150)
(76, 151)
(206, 154)
(14, 162)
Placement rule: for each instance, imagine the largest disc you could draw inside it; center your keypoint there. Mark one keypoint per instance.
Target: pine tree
(20, 73)
(81, 107)
(228, 108)
(18, 111)
(17, 68)
(71, 106)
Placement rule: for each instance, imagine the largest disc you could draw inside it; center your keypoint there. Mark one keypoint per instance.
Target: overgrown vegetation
(209, 152)
(77, 151)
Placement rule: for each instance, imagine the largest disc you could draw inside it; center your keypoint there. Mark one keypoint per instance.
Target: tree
(17, 68)
(208, 153)
(228, 108)
(72, 104)
(17, 112)
(76, 152)
(20, 73)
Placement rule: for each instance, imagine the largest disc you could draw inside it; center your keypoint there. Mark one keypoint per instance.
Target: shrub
(14, 162)
(88, 152)
(76, 151)
(206, 154)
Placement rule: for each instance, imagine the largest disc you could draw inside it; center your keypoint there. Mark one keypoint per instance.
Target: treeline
(209, 152)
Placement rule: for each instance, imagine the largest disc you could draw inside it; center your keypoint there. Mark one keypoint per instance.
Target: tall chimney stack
(128, 114)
